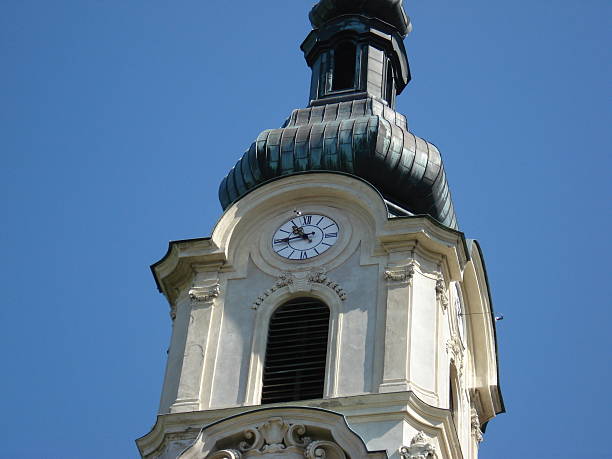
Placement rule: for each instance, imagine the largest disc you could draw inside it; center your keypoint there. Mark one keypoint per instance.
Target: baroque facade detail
(204, 294)
(400, 273)
(441, 292)
(419, 448)
(454, 347)
(283, 280)
(300, 281)
(475, 423)
(320, 277)
(277, 438)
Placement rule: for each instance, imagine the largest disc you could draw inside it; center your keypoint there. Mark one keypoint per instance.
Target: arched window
(344, 66)
(389, 84)
(296, 352)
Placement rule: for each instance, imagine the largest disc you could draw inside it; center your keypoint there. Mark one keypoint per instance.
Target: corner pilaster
(398, 276)
(203, 294)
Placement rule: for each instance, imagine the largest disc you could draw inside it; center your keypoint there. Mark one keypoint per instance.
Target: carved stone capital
(419, 448)
(204, 294)
(400, 273)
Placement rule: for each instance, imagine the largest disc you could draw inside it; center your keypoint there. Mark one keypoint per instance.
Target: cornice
(392, 406)
(423, 236)
(182, 260)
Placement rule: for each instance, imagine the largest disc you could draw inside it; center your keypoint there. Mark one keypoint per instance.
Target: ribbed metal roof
(362, 137)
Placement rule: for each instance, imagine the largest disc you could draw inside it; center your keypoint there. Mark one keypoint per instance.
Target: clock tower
(336, 310)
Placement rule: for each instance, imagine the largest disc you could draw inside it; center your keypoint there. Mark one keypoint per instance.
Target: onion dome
(359, 65)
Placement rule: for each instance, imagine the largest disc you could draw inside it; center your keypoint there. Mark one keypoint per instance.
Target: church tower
(336, 310)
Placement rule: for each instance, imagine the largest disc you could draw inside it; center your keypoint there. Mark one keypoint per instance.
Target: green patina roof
(359, 137)
(353, 131)
(390, 11)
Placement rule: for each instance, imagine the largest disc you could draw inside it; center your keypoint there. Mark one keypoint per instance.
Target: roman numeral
(331, 235)
(279, 241)
(303, 255)
(306, 219)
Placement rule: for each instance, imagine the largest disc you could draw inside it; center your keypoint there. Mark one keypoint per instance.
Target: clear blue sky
(118, 120)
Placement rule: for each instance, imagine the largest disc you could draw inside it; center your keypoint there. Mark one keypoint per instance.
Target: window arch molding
(263, 314)
(455, 400)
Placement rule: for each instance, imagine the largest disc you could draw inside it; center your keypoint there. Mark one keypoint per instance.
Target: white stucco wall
(387, 283)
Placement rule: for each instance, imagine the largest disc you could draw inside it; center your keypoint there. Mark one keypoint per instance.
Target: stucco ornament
(319, 276)
(283, 280)
(204, 294)
(301, 282)
(441, 293)
(454, 347)
(476, 432)
(226, 454)
(277, 438)
(400, 273)
(419, 448)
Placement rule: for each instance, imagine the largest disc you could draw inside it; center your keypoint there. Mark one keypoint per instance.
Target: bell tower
(336, 310)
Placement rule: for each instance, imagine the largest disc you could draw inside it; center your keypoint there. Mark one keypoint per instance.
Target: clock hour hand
(287, 239)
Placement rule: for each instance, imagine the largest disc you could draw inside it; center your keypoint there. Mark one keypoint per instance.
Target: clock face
(305, 236)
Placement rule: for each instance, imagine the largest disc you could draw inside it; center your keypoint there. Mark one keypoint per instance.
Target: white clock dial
(305, 236)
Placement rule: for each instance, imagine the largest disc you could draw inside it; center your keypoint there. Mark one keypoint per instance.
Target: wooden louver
(296, 352)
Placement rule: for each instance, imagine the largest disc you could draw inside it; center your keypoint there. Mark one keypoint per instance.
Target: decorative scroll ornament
(419, 448)
(280, 439)
(400, 273)
(204, 294)
(324, 450)
(226, 454)
(320, 277)
(454, 347)
(300, 281)
(441, 293)
(476, 432)
(283, 280)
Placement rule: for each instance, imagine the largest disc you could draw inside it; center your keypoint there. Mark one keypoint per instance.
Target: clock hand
(287, 239)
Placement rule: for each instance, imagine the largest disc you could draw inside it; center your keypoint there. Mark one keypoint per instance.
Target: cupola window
(296, 352)
(344, 66)
(389, 84)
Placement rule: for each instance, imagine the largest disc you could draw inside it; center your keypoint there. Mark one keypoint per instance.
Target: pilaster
(202, 296)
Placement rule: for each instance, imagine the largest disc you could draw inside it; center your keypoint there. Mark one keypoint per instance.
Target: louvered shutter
(296, 352)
